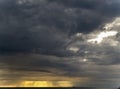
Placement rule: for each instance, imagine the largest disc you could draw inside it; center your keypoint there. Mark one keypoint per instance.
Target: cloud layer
(70, 38)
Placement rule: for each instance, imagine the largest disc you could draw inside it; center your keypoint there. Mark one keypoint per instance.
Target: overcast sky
(60, 42)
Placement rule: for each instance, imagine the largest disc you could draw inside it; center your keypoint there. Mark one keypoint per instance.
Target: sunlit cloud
(110, 25)
(79, 34)
(111, 29)
(73, 49)
(84, 60)
(100, 37)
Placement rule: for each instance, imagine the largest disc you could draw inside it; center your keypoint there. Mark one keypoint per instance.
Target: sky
(60, 43)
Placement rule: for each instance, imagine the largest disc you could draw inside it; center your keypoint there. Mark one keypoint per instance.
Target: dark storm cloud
(45, 25)
(89, 14)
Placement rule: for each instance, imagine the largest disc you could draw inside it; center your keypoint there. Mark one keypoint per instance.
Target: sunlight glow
(45, 84)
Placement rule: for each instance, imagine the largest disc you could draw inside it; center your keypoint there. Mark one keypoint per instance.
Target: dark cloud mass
(29, 25)
(51, 37)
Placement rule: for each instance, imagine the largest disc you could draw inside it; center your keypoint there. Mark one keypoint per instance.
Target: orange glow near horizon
(68, 82)
(45, 84)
